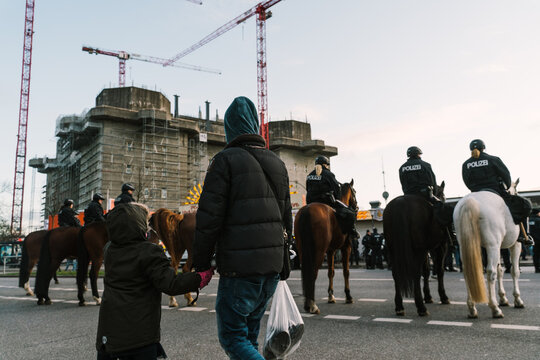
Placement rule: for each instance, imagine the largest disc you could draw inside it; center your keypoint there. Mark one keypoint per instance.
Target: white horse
(483, 219)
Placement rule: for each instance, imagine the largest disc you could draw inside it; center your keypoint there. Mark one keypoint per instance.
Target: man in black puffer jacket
(240, 217)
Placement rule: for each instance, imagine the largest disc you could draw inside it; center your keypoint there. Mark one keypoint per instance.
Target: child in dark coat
(137, 272)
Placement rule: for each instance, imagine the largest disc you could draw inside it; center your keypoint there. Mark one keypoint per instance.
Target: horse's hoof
(315, 311)
(428, 301)
(173, 305)
(498, 315)
(40, 302)
(331, 301)
(28, 294)
(48, 302)
(423, 313)
(519, 306)
(400, 313)
(504, 303)
(475, 316)
(97, 300)
(191, 304)
(56, 282)
(445, 302)
(349, 301)
(82, 303)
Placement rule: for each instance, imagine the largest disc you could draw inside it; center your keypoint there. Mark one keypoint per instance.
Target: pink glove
(205, 277)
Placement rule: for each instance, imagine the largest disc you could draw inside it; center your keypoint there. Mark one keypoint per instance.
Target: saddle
(520, 207)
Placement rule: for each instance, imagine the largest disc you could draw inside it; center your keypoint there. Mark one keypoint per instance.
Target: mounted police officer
(484, 172)
(416, 176)
(322, 187)
(94, 210)
(67, 216)
(126, 196)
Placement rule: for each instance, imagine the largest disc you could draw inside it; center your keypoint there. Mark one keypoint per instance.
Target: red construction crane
(262, 15)
(20, 157)
(124, 55)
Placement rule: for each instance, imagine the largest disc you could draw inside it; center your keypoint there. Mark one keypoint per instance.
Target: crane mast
(262, 15)
(20, 157)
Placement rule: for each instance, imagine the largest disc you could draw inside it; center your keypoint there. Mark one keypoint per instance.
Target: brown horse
(411, 231)
(57, 245)
(318, 233)
(91, 241)
(30, 256)
(177, 232)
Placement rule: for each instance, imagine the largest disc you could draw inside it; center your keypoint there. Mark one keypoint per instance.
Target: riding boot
(524, 238)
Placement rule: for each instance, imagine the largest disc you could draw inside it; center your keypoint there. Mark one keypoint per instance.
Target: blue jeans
(240, 305)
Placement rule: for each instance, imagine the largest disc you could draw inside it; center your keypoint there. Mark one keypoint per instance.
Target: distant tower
(385, 193)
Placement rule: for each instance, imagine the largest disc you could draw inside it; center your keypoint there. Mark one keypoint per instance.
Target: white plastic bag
(285, 325)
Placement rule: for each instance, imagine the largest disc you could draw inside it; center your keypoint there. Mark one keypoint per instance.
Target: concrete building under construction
(131, 136)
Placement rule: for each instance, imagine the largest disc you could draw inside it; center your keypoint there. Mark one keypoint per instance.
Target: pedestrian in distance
(126, 196)
(137, 272)
(243, 211)
(67, 216)
(534, 228)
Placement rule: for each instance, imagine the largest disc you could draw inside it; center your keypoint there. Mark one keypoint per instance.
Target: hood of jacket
(241, 118)
(127, 223)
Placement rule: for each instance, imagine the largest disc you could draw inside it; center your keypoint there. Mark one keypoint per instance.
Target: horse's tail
(305, 233)
(471, 256)
(82, 260)
(43, 274)
(404, 269)
(24, 274)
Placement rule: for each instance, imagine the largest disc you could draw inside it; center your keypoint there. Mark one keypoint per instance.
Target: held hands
(206, 276)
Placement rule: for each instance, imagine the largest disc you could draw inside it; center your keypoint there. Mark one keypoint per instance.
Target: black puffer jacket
(136, 273)
(238, 213)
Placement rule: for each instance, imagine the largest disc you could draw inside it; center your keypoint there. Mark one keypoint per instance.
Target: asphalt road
(366, 329)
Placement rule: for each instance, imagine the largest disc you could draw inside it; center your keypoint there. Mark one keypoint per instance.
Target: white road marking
(449, 323)
(507, 280)
(212, 311)
(18, 298)
(392, 320)
(211, 295)
(196, 309)
(515, 327)
(372, 300)
(342, 317)
(368, 279)
(267, 313)
(337, 299)
(307, 315)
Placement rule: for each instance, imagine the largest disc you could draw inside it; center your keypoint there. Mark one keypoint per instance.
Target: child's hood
(127, 223)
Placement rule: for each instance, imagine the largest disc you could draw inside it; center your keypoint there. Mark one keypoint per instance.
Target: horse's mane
(166, 224)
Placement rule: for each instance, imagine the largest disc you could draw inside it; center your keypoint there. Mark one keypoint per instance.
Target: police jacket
(137, 272)
(68, 217)
(123, 198)
(238, 215)
(93, 213)
(486, 172)
(416, 175)
(318, 186)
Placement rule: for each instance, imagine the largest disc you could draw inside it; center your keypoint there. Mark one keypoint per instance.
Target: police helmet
(322, 160)
(127, 186)
(414, 151)
(98, 196)
(68, 202)
(477, 144)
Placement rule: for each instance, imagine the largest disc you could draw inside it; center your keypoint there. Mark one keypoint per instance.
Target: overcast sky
(372, 77)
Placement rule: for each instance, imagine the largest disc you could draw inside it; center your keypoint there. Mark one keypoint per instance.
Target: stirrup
(527, 241)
